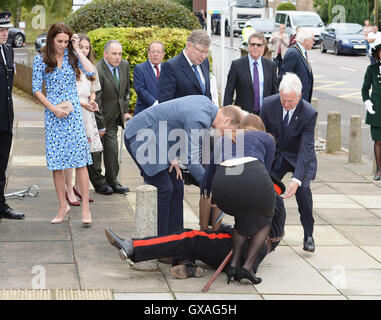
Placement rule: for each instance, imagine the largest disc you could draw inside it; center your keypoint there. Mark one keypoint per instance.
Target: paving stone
(286, 280)
(332, 257)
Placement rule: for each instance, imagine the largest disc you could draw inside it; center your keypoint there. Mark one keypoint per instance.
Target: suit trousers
(5, 148)
(303, 197)
(110, 159)
(170, 197)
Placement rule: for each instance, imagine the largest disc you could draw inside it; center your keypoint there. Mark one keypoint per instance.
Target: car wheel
(336, 49)
(18, 41)
(322, 48)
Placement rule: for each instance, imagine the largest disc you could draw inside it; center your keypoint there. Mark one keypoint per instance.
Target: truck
(243, 11)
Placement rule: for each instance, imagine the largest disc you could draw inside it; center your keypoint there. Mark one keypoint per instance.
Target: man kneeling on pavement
(187, 245)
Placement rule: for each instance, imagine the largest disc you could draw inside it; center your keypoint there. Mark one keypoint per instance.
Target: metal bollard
(355, 143)
(146, 221)
(333, 143)
(315, 104)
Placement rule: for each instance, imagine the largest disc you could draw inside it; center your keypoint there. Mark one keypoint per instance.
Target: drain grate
(56, 294)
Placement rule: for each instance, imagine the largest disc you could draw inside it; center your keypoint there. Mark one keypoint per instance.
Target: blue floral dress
(65, 139)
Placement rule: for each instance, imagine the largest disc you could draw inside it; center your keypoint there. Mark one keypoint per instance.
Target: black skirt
(246, 192)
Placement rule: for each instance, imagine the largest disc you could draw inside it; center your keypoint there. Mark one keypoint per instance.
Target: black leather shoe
(104, 189)
(126, 247)
(9, 213)
(309, 244)
(118, 188)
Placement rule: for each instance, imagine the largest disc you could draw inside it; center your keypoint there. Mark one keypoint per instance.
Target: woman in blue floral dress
(59, 66)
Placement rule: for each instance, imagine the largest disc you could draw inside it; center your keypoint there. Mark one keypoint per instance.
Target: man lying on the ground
(187, 245)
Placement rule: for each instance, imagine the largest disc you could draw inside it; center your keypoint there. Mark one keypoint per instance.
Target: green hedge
(135, 42)
(133, 14)
(286, 7)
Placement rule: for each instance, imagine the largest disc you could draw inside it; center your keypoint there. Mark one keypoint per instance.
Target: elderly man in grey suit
(172, 130)
(113, 102)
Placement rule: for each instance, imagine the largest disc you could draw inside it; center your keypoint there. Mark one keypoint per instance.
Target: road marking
(348, 69)
(354, 95)
(329, 84)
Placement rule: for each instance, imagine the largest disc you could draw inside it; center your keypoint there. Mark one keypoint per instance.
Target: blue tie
(285, 122)
(278, 162)
(199, 78)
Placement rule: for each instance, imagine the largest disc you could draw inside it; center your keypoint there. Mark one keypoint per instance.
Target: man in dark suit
(296, 61)
(147, 139)
(113, 102)
(188, 72)
(146, 77)
(252, 77)
(291, 120)
(6, 111)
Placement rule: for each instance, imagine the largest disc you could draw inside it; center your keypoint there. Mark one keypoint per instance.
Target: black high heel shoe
(231, 272)
(245, 274)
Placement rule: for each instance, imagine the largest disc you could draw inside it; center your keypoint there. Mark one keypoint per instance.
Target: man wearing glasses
(252, 77)
(188, 72)
(146, 77)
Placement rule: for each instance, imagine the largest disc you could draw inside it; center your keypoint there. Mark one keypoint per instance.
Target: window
(280, 18)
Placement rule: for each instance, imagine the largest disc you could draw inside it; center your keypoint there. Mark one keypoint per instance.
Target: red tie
(157, 71)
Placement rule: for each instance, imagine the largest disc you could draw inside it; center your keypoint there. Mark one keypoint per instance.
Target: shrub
(285, 7)
(135, 42)
(133, 14)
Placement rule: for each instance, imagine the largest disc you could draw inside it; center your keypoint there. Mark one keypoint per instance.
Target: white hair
(290, 83)
(303, 35)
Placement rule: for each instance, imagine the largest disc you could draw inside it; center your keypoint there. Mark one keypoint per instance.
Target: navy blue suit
(296, 149)
(150, 138)
(145, 85)
(295, 62)
(177, 79)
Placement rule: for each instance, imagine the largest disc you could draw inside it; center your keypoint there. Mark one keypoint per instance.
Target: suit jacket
(239, 80)
(146, 86)
(147, 133)
(297, 144)
(113, 104)
(177, 79)
(6, 84)
(294, 61)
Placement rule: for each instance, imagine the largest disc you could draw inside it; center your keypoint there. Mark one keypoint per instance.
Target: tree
(351, 11)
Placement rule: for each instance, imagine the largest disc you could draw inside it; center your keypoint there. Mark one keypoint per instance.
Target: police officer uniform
(7, 71)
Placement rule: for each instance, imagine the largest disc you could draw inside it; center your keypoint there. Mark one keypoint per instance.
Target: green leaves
(135, 43)
(132, 13)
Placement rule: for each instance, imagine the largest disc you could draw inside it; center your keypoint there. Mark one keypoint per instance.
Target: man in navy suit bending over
(187, 73)
(146, 77)
(291, 120)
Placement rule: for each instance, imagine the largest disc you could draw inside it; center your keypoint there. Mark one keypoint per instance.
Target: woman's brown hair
(250, 122)
(49, 54)
(91, 55)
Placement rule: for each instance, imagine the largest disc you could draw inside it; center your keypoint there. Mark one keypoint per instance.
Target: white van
(304, 19)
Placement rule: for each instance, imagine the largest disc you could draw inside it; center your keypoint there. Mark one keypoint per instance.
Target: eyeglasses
(201, 51)
(256, 45)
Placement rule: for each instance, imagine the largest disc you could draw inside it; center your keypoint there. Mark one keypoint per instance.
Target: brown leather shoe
(182, 271)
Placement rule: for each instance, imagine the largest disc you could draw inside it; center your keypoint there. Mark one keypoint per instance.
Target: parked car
(266, 26)
(343, 38)
(303, 19)
(16, 37)
(40, 41)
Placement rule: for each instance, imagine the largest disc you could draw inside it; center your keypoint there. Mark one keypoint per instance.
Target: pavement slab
(346, 263)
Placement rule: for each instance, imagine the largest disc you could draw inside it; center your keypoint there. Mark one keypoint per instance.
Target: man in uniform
(187, 245)
(6, 111)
